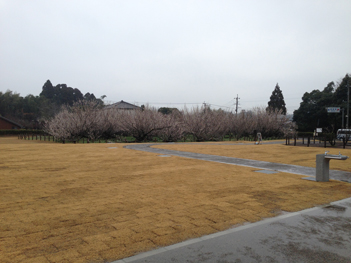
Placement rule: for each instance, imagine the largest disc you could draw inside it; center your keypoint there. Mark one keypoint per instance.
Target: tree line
(88, 119)
(29, 110)
(312, 112)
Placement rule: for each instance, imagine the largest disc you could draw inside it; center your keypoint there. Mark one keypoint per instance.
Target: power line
(169, 102)
(268, 100)
(230, 102)
(178, 103)
(219, 106)
(234, 102)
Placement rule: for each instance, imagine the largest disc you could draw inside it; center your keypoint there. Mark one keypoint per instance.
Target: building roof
(12, 122)
(123, 105)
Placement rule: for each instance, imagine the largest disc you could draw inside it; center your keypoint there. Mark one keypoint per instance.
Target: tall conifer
(277, 100)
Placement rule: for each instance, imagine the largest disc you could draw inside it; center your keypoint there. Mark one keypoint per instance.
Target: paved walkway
(316, 235)
(287, 168)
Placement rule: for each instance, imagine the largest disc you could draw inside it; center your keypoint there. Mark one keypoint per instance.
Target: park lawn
(277, 153)
(102, 202)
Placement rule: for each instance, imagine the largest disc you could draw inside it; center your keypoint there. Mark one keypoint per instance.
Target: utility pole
(348, 105)
(236, 104)
(205, 106)
(342, 119)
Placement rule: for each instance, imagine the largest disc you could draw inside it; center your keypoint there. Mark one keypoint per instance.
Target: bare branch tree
(174, 127)
(57, 126)
(204, 124)
(82, 119)
(89, 120)
(142, 124)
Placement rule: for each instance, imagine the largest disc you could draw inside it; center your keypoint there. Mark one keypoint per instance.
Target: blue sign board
(333, 109)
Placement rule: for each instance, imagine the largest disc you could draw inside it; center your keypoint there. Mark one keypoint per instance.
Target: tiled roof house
(122, 105)
(6, 124)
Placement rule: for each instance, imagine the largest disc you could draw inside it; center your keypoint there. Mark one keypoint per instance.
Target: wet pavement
(287, 168)
(316, 235)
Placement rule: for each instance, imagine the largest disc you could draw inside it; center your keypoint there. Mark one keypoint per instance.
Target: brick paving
(93, 203)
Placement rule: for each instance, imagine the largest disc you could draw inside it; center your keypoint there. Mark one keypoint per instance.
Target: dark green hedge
(305, 134)
(21, 131)
(329, 136)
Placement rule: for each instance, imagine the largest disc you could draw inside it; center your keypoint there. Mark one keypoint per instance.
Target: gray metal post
(348, 105)
(342, 122)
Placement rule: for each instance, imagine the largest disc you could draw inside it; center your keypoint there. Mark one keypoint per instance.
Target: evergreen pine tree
(48, 90)
(277, 100)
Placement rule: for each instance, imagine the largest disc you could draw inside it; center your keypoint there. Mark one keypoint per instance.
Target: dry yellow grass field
(101, 202)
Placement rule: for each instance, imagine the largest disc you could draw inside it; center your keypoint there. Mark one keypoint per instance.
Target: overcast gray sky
(176, 51)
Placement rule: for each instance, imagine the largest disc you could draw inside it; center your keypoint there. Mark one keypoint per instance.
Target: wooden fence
(49, 138)
(317, 141)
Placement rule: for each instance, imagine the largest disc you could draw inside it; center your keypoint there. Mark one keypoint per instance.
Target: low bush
(21, 131)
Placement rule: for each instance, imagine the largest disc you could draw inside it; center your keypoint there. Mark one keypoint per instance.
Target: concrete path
(316, 235)
(287, 168)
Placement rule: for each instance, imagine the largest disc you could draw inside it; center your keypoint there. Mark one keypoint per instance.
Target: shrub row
(21, 131)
